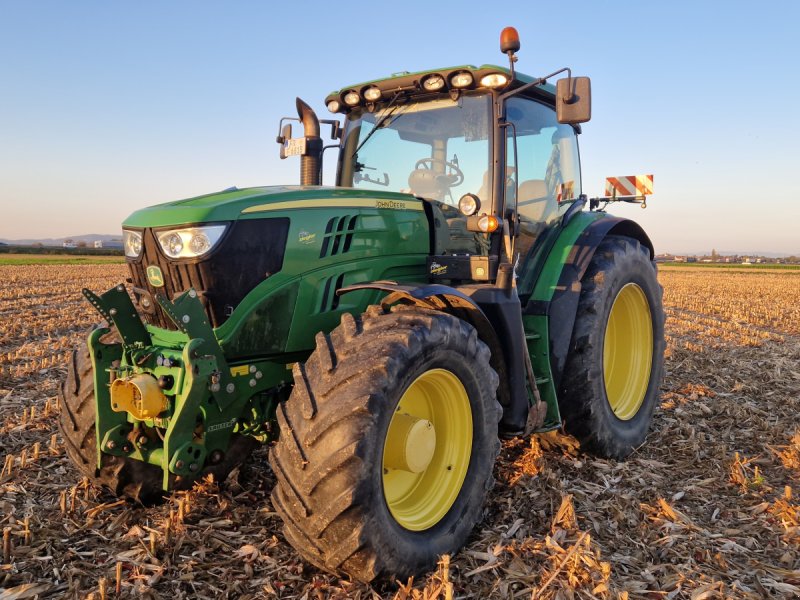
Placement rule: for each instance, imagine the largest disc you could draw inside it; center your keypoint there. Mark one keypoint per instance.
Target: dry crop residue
(707, 508)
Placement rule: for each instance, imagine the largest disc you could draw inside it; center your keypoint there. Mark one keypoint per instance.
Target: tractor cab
(487, 148)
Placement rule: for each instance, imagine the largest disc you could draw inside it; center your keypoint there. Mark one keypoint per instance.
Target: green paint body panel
(229, 205)
(545, 286)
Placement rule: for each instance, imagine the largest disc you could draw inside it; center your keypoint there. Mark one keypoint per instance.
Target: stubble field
(707, 508)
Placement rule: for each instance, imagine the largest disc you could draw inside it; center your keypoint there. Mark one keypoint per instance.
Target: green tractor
(381, 335)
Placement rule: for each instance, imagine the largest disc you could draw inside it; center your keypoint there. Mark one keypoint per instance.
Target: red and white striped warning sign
(566, 191)
(631, 185)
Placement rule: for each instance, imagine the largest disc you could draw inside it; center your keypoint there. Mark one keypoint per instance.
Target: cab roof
(411, 85)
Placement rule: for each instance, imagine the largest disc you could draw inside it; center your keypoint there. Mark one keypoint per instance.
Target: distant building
(98, 243)
(69, 244)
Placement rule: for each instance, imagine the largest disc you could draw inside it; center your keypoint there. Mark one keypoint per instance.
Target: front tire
(387, 443)
(611, 380)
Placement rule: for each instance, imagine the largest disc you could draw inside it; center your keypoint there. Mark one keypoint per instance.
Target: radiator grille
(249, 252)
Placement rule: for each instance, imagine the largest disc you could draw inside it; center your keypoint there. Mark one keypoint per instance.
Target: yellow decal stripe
(351, 203)
(240, 370)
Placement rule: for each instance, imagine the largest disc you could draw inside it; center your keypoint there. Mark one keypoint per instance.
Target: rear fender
(560, 302)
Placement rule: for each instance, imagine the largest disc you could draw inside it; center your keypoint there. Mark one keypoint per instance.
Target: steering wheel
(427, 163)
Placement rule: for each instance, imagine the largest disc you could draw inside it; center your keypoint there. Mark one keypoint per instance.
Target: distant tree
(714, 254)
(38, 245)
(81, 244)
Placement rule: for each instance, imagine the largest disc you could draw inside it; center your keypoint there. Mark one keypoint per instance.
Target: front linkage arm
(204, 400)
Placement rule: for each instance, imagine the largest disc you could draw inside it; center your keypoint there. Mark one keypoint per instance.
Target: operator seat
(535, 203)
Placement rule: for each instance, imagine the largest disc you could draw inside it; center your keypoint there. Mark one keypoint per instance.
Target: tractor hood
(232, 204)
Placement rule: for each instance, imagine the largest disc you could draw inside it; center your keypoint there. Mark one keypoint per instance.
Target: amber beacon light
(509, 41)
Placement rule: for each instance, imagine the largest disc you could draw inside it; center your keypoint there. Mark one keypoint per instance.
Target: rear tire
(611, 380)
(346, 505)
(122, 476)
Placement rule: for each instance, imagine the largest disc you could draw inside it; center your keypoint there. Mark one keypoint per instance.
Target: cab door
(544, 175)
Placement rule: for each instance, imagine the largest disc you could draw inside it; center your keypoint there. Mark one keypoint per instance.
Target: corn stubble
(707, 508)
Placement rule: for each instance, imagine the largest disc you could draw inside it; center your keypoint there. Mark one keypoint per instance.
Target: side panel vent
(330, 301)
(338, 235)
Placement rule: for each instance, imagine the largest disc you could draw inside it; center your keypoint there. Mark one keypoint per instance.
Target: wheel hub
(410, 444)
(426, 452)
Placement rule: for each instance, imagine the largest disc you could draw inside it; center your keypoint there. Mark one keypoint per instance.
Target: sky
(108, 107)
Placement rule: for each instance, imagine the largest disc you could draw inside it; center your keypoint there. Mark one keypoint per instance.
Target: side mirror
(285, 136)
(573, 100)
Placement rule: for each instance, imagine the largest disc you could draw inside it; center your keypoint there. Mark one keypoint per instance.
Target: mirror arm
(281, 139)
(535, 83)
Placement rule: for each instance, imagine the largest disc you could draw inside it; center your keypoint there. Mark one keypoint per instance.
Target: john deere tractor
(454, 287)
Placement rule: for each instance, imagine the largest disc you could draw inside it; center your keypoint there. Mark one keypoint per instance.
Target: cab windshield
(438, 150)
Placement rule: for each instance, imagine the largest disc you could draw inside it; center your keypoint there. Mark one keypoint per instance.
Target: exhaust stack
(311, 159)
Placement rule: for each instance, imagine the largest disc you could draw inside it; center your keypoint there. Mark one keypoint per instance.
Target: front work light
(352, 98)
(494, 80)
(190, 242)
(433, 83)
(461, 80)
(372, 94)
(132, 242)
(334, 106)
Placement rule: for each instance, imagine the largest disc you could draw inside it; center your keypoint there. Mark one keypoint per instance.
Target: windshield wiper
(380, 124)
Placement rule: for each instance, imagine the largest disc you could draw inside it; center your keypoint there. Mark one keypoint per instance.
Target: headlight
(132, 243)
(469, 204)
(190, 242)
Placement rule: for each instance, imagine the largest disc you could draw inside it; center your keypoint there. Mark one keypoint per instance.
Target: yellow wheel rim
(427, 450)
(628, 352)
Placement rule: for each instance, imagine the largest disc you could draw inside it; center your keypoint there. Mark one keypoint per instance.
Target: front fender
(436, 297)
(511, 391)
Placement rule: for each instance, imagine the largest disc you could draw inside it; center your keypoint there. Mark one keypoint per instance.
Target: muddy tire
(122, 476)
(362, 485)
(611, 379)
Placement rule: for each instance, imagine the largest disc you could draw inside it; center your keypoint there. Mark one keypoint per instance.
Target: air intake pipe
(311, 160)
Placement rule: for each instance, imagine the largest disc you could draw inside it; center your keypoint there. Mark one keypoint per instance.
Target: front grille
(250, 251)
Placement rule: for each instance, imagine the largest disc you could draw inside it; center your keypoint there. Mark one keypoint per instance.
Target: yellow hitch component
(138, 395)
(410, 444)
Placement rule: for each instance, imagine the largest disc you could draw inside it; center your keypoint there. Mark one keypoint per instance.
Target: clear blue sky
(106, 107)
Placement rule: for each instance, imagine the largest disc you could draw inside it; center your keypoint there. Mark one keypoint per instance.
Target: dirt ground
(706, 508)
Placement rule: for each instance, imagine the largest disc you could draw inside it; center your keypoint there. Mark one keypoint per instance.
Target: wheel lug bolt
(179, 464)
(193, 467)
(111, 444)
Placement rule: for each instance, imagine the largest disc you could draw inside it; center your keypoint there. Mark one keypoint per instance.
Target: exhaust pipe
(311, 160)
